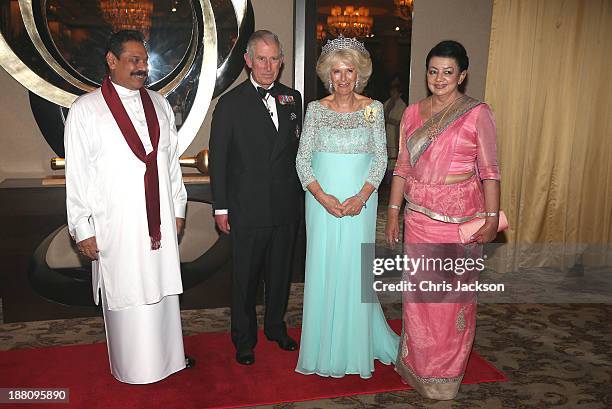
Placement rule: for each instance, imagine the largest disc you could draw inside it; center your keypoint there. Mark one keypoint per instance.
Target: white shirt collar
(255, 84)
(125, 92)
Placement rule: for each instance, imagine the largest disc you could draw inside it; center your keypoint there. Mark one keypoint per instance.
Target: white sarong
(145, 343)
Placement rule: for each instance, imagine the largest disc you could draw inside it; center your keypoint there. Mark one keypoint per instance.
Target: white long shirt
(105, 198)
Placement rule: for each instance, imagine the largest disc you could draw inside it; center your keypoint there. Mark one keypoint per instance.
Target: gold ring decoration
(232, 65)
(205, 88)
(30, 79)
(36, 59)
(27, 14)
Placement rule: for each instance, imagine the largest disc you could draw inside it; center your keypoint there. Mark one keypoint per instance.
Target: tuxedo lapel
(286, 126)
(283, 117)
(261, 112)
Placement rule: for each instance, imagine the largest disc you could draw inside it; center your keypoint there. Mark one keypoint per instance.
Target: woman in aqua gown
(341, 161)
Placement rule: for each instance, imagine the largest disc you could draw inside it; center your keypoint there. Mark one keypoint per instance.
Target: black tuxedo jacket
(252, 165)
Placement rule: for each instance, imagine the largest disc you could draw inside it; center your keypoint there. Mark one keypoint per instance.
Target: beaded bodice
(326, 130)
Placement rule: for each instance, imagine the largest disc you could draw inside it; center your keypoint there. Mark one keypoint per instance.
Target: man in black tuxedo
(256, 192)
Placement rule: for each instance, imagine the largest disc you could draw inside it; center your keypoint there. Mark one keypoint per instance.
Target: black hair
(450, 49)
(116, 40)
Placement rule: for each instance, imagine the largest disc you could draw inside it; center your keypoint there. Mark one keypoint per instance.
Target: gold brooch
(369, 113)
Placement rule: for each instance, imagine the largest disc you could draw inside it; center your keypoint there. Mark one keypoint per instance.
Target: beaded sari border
(423, 137)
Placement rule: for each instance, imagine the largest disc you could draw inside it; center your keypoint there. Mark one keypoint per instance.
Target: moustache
(135, 73)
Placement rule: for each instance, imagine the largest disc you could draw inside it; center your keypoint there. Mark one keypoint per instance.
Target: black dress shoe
(189, 362)
(246, 357)
(286, 342)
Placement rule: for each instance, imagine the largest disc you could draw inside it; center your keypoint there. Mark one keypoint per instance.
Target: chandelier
(128, 14)
(321, 34)
(404, 9)
(350, 21)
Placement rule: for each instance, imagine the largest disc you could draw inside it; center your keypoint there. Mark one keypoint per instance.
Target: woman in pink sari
(447, 172)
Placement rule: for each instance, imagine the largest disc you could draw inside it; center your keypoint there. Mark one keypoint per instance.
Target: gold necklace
(435, 129)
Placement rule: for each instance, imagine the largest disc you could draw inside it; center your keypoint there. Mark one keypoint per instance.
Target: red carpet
(216, 381)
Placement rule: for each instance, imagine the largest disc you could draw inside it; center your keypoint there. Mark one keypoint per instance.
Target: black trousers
(269, 249)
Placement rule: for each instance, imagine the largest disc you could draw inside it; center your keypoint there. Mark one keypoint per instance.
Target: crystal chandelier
(321, 34)
(404, 8)
(128, 14)
(350, 21)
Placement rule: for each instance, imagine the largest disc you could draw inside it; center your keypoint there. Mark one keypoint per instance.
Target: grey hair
(265, 36)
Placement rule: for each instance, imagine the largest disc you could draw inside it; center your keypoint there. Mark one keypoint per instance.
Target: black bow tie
(263, 93)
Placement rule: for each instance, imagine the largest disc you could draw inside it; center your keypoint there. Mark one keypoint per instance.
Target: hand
(487, 232)
(330, 203)
(180, 226)
(352, 206)
(222, 222)
(392, 230)
(89, 248)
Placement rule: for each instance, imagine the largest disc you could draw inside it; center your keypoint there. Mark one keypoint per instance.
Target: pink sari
(437, 337)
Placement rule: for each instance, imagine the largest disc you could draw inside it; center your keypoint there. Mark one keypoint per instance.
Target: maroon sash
(151, 180)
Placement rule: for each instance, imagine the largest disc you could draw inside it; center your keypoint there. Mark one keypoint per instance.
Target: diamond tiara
(344, 42)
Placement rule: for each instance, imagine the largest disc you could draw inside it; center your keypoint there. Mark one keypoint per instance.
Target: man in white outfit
(126, 202)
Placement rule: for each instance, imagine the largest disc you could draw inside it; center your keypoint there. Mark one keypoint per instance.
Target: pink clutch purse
(467, 229)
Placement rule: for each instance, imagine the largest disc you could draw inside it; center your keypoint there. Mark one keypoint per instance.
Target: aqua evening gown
(340, 333)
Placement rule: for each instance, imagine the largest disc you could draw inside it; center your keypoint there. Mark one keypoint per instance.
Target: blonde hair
(361, 62)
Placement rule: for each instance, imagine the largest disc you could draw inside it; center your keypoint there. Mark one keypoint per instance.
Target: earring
(330, 87)
(357, 83)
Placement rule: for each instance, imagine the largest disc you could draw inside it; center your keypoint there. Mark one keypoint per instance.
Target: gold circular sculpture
(34, 35)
